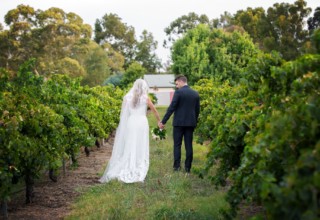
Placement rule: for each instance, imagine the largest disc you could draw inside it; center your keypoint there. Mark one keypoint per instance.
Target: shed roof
(160, 80)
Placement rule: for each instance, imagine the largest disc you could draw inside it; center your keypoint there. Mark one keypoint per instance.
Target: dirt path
(52, 200)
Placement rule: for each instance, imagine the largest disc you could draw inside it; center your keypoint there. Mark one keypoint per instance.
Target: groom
(186, 107)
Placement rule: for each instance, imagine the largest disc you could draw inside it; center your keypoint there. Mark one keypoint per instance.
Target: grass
(163, 195)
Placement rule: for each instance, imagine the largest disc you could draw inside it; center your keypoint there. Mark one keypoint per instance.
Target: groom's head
(180, 81)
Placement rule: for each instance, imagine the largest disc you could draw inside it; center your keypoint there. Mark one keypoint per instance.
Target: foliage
(114, 80)
(316, 40)
(97, 66)
(119, 35)
(42, 121)
(153, 98)
(111, 32)
(132, 73)
(280, 28)
(314, 22)
(47, 35)
(158, 134)
(182, 25)
(146, 52)
(216, 54)
(264, 133)
(59, 41)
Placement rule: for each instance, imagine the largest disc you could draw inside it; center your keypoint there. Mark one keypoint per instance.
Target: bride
(130, 155)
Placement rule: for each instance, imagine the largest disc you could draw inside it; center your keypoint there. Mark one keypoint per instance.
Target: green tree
(17, 43)
(225, 20)
(216, 54)
(146, 54)
(288, 33)
(56, 37)
(110, 29)
(46, 35)
(115, 59)
(280, 28)
(133, 72)
(96, 65)
(264, 135)
(314, 22)
(253, 21)
(181, 25)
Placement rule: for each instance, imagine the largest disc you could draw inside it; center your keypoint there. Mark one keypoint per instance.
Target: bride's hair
(140, 89)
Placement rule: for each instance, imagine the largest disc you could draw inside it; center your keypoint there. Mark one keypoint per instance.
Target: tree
(314, 22)
(225, 20)
(96, 65)
(16, 43)
(46, 35)
(280, 28)
(212, 53)
(288, 34)
(146, 52)
(253, 21)
(115, 59)
(110, 29)
(182, 24)
(132, 73)
(58, 33)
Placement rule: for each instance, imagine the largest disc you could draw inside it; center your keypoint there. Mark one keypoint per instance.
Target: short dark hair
(181, 78)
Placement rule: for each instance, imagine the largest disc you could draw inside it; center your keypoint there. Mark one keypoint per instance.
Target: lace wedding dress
(130, 156)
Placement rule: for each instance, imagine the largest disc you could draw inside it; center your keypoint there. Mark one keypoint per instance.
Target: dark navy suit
(185, 105)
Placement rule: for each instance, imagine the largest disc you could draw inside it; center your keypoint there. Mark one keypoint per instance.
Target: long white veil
(139, 90)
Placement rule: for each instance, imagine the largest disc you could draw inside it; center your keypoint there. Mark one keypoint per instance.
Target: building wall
(164, 96)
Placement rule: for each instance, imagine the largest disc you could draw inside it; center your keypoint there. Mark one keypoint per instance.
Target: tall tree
(96, 65)
(110, 29)
(212, 53)
(288, 34)
(280, 28)
(133, 72)
(253, 21)
(58, 33)
(146, 54)
(17, 45)
(46, 35)
(181, 25)
(225, 20)
(314, 22)
(115, 59)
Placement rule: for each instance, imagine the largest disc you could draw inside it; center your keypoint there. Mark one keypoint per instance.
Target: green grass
(164, 194)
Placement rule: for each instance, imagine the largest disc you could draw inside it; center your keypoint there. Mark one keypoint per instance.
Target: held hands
(160, 125)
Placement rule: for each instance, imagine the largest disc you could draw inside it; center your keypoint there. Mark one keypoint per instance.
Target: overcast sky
(151, 15)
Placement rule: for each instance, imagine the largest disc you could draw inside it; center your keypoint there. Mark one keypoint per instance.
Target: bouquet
(158, 134)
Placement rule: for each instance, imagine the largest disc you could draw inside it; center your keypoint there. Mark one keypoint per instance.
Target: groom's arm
(171, 108)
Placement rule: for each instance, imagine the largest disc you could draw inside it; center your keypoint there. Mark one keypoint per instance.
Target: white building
(163, 86)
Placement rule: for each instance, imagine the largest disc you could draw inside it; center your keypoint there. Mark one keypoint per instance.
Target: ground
(52, 200)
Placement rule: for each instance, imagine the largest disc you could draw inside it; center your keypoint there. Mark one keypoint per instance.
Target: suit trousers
(179, 133)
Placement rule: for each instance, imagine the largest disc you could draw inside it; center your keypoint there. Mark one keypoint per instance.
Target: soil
(52, 200)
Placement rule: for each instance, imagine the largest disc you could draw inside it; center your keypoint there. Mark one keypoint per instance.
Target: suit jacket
(185, 105)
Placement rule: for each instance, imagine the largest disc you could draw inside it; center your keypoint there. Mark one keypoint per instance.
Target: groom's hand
(160, 125)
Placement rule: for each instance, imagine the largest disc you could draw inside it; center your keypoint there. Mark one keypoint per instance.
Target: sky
(151, 15)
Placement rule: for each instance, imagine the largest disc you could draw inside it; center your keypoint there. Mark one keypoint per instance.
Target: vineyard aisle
(52, 200)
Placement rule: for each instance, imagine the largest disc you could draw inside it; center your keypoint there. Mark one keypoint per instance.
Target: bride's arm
(153, 109)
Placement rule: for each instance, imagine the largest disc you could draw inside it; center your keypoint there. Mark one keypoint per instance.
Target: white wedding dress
(130, 155)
